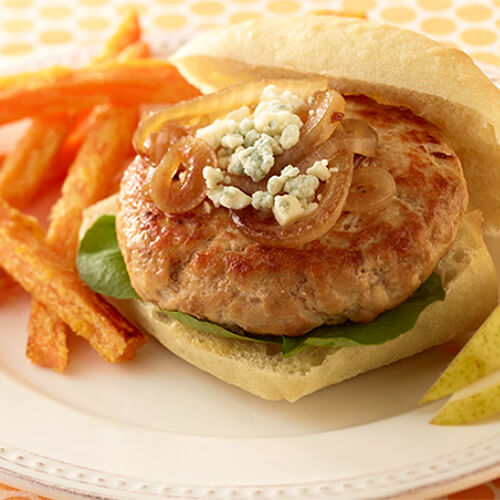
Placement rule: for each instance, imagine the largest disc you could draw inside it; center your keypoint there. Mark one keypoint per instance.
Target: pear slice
(479, 357)
(479, 400)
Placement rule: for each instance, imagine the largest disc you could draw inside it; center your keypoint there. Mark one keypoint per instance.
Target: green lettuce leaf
(385, 327)
(217, 330)
(100, 262)
(101, 266)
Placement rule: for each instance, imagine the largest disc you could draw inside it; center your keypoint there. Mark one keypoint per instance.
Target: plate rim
(74, 481)
(14, 460)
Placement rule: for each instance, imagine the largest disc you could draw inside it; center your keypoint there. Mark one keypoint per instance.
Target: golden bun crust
(393, 65)
(470, 281)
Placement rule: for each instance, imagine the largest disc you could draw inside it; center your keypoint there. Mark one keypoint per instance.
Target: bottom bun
(468, 276)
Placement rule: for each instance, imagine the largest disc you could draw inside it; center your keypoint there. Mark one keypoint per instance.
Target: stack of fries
(81, 130)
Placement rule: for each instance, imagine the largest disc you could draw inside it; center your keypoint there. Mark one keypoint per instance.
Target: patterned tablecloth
(33, 29)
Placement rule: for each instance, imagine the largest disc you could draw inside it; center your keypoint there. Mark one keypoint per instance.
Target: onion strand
(320, 125)
(268, 232)
(371, 188)
(204, 109)
(179, 196)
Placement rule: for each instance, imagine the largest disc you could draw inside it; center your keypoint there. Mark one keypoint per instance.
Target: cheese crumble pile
(246, 144)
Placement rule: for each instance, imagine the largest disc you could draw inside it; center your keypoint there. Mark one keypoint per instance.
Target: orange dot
(283, 6)
(54, 37)
(488, 58)
(244, 16)
(126, 8)
(434, 4)
(170, 21)
(17, 4)
(15, 49)
(208, 8)
(398, 14)
(482, 492)
(496, 482)
(93, 23)
(93, 2)
(438, 25)
(17, 25)
(359, 5)
(474, 12)
(478, 36)
(55, 12)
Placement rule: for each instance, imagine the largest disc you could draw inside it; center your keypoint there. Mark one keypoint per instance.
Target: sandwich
(316, 214)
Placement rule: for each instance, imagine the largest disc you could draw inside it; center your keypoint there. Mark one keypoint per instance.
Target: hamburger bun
(469, 279)
(394, 67)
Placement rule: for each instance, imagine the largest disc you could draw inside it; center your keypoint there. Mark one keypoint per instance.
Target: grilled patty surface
(200, 264)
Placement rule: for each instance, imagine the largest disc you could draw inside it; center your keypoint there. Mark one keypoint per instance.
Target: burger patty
(199, 263)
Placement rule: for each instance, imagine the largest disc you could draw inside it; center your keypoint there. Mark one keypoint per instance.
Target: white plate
(158, 428)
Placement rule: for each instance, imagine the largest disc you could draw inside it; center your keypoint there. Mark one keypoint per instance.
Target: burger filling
(273, 208)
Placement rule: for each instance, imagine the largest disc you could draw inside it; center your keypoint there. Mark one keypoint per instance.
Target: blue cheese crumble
(288, 208)
(246, 143)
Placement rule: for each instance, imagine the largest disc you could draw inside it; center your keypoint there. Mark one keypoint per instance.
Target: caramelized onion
(358, 138)
(371, 188)
(355, 136)
(210, 106)
(320, 125)
(269, 232)
(176, 196)
(157, 144)
(361, 138)
(246, 184)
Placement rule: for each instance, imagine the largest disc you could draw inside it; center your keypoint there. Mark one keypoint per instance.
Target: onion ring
(361, 138)
(268, 232)
(180, 196)
(320, 125)
(210, 106)
(158, 143)
(371, 188)
(357, 137)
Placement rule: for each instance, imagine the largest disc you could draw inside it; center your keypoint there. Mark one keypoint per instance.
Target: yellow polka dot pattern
(32, 28)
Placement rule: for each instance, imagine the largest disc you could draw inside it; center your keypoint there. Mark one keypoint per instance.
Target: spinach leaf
(100, 262)
(385, 327)
(217, 330)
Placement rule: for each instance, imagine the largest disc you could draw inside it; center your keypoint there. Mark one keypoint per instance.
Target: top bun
(392, 65)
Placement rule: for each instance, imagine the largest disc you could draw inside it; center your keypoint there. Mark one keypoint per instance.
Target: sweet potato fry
(48, 350)
(136, 50)
(91, 178)
(41, 272)
(27, 168)
(128, 33)
(32, 163)
(77, 134)
(72, 143)
(59, 91)
(42, 155)
(47, 344)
